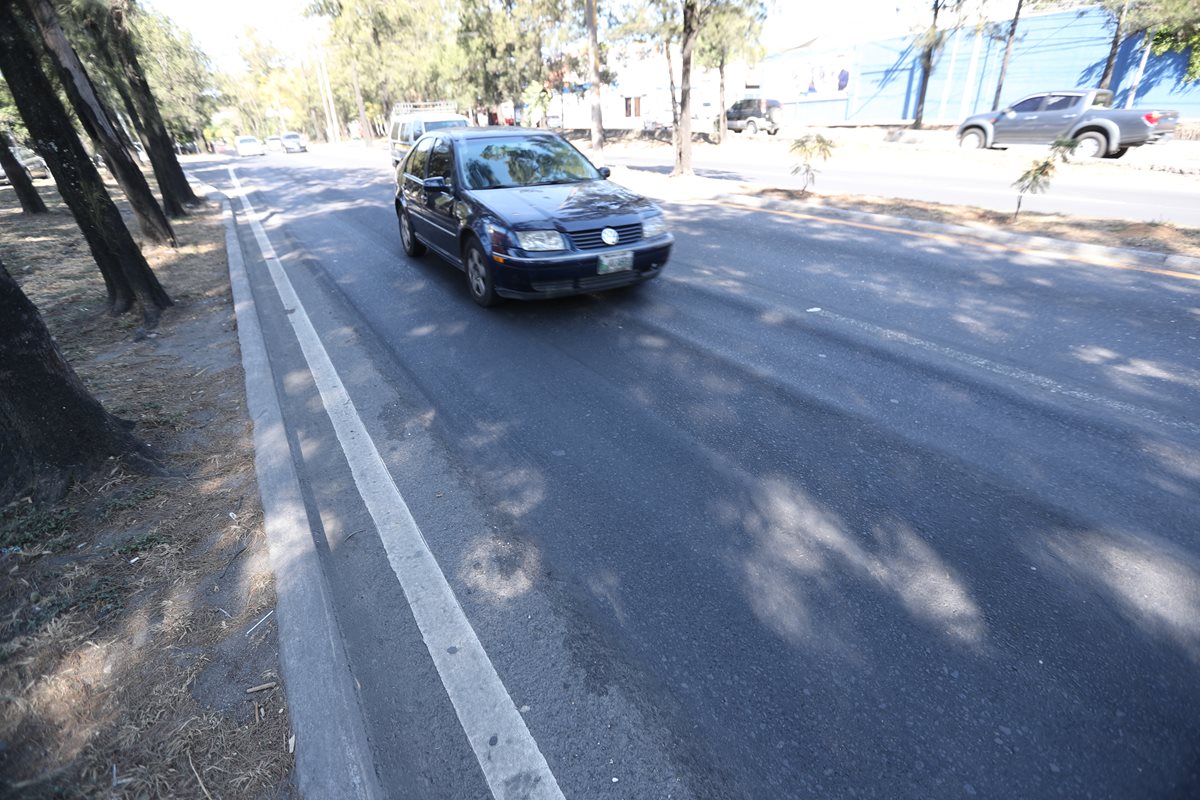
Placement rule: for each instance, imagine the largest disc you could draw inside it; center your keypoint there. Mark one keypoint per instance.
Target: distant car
(753, 115)
(249, 146)
(407, 128)
(274, 143)
(525, 215)
(294, 143)
(33, 164)
(1085, 115)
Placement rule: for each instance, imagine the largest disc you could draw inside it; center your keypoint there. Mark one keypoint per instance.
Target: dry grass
(125, 608)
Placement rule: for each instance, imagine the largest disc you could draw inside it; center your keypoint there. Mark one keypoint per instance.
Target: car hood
(570, 205)
(978, 118)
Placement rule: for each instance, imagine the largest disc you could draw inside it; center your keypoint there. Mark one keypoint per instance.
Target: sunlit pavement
(822, 512)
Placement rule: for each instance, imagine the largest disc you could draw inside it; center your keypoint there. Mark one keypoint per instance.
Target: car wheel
(1120, 151)
(972, 139)
(751, 127)
(1091, 145)
(772, 131)
(479, 275)
(408, 237)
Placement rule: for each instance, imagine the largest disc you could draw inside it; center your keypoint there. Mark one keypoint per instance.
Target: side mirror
(436, 185)
(1008, 112)
(604, 172)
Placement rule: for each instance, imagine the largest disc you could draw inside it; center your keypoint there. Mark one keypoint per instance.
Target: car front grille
(591, 283)
(590, 240)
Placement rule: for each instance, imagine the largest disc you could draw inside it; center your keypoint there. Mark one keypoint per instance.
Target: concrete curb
(1090, 252)
(333, 755)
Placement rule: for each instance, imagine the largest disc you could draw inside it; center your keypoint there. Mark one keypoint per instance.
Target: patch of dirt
(135, 614)
(1154, 236)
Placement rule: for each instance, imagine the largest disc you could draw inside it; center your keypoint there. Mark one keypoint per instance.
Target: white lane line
(510, 759)
(1015, 373)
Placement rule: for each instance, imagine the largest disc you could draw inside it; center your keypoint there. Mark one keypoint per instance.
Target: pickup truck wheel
(1091, 145)
(1120, 151)
(972, 139)
(751, 127)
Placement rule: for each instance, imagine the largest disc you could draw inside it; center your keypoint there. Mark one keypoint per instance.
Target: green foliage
(1036, 179)
(503, 42)
(732, 32)
(27, 524)
(140, 543)
(810, 147)
(179, 73)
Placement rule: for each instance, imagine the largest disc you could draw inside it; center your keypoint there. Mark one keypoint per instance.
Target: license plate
(615, 262)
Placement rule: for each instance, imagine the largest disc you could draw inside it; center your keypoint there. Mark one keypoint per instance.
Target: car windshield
(291, 136)
(527, 161)
(247, 140)
(438, 124)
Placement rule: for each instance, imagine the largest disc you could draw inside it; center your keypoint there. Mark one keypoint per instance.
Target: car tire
(408, 237)
(479, 275)
(1120, 151)
(772, 131)
(972, 139)
(751, 127)
(1091, 145)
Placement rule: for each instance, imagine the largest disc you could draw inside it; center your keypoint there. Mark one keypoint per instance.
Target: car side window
(395, 130)
(441, 161)
(406, 133)
(1061, 102)
(418, 159)
(1029, 104)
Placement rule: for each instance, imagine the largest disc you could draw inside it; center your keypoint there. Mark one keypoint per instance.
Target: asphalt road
(823, 512)
(1106, 189)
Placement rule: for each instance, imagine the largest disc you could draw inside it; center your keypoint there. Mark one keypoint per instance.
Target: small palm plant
(810, 147)
(1036, 179)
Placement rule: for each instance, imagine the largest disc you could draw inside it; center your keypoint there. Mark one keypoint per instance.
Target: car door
(1013, 126)
(439, 204)
(414, 188)
(1056, 117)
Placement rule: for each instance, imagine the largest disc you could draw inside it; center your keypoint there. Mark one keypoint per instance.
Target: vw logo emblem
(609, 236)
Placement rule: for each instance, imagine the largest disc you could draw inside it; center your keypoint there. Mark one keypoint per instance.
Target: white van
(410, 121)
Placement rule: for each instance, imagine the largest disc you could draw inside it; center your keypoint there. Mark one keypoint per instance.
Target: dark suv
(754, 115)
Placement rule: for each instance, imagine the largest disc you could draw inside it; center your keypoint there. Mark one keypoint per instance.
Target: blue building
(877, 82)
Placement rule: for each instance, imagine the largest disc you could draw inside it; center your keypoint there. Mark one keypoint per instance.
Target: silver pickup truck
(1085, 115)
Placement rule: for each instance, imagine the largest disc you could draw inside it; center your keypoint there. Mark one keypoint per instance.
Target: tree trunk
(683, 127)
(96, 119)
(1008, 46)
(927, 65)
(1107, 76)
(722, 124)
(157, 141)
(1147, 38)
(363, 122)
(52, 430)
(31, 201)
(127, 276)
(172, 204)
(597, 116)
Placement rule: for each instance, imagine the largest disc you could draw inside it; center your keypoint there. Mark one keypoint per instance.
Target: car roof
(492, 132)
(424, 116)
(247, 138)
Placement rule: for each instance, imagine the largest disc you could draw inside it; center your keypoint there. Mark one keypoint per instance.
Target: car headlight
(654, 226)
(535, 241)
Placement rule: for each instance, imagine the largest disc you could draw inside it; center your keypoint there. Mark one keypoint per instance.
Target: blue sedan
(525, 215)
